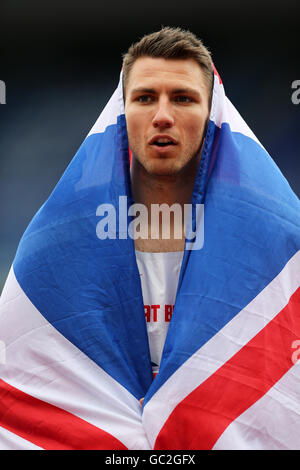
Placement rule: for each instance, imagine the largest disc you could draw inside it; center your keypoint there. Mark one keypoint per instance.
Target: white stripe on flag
(223, 111)
(110, 113)
(10, 441)
(272, 423)
(44, 364)
(221, 347)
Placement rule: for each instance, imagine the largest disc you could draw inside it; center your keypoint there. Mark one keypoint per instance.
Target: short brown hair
(170, 43)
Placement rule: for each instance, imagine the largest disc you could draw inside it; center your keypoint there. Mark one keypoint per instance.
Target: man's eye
(144, 99)
(183, 99)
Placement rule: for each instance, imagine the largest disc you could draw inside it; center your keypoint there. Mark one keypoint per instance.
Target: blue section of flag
(252, 229)
(89, 289)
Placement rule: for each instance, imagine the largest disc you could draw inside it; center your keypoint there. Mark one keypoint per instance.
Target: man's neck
(149, 189)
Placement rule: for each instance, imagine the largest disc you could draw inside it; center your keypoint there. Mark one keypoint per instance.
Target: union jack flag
(75, 355)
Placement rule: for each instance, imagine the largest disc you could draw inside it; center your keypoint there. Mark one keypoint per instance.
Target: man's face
(166, 109)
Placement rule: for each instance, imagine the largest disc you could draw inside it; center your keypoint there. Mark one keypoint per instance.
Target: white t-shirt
(159, 278)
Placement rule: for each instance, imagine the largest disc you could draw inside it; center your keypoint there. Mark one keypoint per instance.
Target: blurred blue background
(61, 63)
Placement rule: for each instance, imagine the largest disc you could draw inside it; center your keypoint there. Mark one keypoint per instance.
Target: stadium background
(61, 62)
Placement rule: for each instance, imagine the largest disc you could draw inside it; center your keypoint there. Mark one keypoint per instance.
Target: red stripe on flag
(130, 156)
(48, 426)
(199, 420)
(216, 73)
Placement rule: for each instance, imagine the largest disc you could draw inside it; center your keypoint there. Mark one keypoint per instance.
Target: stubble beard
(165, 167)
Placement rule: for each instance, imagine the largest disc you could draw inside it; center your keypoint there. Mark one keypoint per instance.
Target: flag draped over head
(75, 357)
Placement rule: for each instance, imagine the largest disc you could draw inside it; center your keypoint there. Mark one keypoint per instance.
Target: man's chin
(165, 167)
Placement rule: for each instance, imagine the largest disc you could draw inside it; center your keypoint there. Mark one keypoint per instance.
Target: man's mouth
(162, 141)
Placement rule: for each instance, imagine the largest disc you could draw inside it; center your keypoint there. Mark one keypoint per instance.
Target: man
(167, 104)
(222, 317)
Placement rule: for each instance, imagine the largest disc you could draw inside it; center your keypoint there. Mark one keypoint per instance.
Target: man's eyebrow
(191, 91)
(175, 91)
(142, 90)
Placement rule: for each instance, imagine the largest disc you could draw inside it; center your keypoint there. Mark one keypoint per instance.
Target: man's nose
(163, 117)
